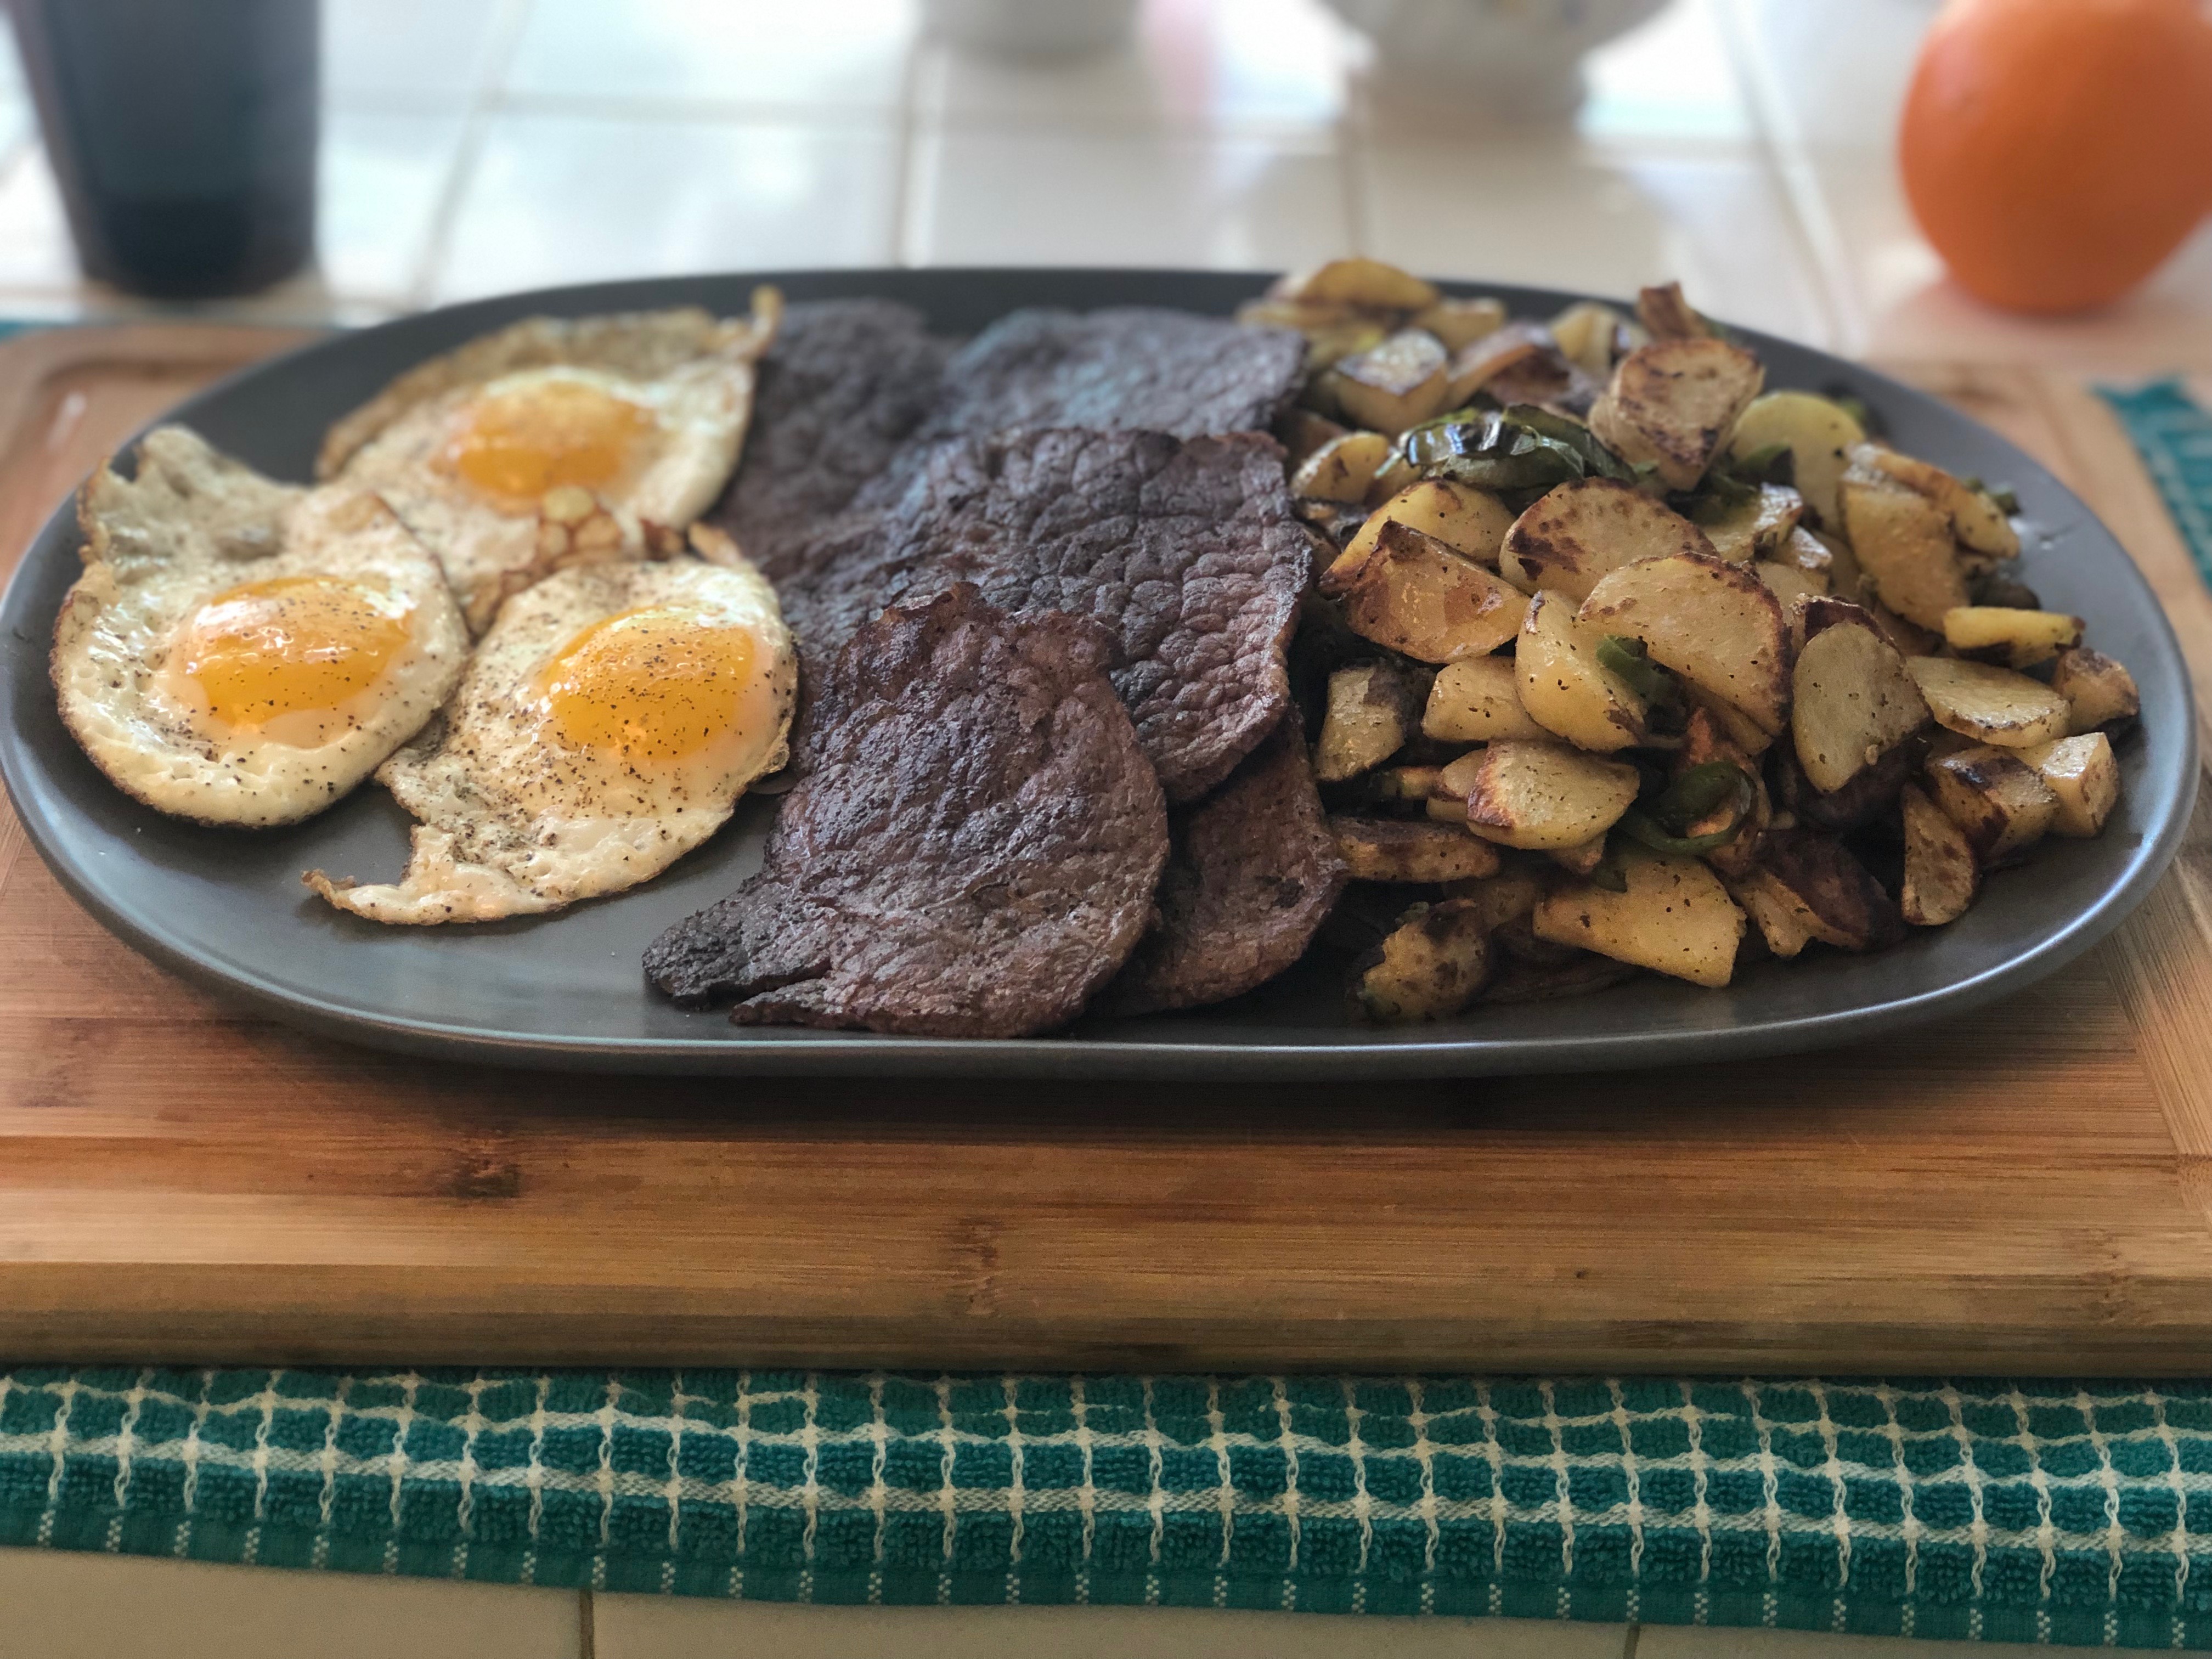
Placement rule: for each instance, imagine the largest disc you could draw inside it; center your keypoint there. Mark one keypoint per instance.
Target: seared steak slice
(1252, 876)
(1186, 549)
(973, 851)
(844, 386)
(1132, 366)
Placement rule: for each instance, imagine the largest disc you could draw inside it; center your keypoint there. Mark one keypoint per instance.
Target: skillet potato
(1651, 668)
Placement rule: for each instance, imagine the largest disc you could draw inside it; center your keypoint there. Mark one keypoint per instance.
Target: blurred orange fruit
(2056, 151)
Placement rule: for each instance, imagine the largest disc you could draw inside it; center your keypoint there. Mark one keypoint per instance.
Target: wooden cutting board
(2028, 1190)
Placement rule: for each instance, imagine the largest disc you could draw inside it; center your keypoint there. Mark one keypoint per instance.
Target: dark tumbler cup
(182, 135)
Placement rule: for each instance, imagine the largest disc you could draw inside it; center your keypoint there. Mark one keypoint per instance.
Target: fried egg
(239, 651)
(608, 724)
(553, 443)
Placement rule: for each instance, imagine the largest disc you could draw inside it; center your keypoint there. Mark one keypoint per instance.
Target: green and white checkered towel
(2039, 1511)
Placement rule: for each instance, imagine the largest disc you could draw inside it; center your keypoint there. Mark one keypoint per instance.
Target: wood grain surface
(2030, 1192)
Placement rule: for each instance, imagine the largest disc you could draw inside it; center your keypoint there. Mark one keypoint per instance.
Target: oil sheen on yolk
(523, 442)
(658, 683)
(291, 645)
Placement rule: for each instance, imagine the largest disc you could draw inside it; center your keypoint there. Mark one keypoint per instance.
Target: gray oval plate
(226, 906)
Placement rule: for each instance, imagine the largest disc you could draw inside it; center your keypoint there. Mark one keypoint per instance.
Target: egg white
(693, 374)
(515, 821)
(190, 525)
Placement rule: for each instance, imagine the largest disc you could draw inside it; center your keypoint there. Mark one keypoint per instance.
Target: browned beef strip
(972, 853)
(1252, 876)
(1186, 549)
(844, 387)
(1131, 366)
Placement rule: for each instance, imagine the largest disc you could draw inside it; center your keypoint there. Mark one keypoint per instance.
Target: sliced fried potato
(1745, 733)
(1581, 531)
(2100, 695)
(1870, 794)
(1477, 700)
(1579, 861)
(1471, 522)
(1368, 285)
(1541, 795)
(1509, 895)
(1940, 873)
(1756, 527)
(1343, 469)
(1666, 315)
(1788, 584)
(1977, 521)
(1903, 544)
(1713, 623)
(1820, 434)
(1301, 432)
(1997, 800)
(1801, 549)
(1674, 916)
(1481, 360)
(2015, 639)
(1409, 849)
(1370, 712)
(1565, 689)
(1461, 323)
(1705, 740)
(1400, 786)
(1990, 705)
(1586, 332)
(1674, 403)
(1852, 698)
(1781, 917)
(1848, 908)
(1430, 967)
(2083, 774)
(1415, 595)
(1396, 385)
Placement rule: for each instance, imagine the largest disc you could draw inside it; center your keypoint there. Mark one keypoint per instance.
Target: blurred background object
(1747, 147)
(1030, 28)
(2056, 152)
(1511, 56)
(182, 136)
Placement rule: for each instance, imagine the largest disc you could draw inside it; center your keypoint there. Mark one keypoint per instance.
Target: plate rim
(780, 1051)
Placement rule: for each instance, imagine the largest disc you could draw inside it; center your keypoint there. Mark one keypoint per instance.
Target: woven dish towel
(2042, 1511)
(2172, 434)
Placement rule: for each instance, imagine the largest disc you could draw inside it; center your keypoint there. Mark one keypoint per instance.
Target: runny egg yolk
(292, 645)
(659, 685)
(527, 440)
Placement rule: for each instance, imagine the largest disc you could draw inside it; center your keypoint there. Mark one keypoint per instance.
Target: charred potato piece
(1977, 521)
(1820, 436)
(1940, 873)
(1674, 403)
(1477, 700)
(1666, 315)
(1851, 696)
(1479, 362)
(1783, 922)
(1471, 522)
(1416, 596)
(1990, 705)
(1579, 861)
(1673, 916)
(1903, 544)
(1586, 334)
(1789, 585)
(2100, 695)
(1409, 849)
(1713, 623)
(1801, 549)
(1461, 323)
(1541, 796)
(1757, 528)
(1705, 740)
(1301, 432)
(1581, 531)
(1563, 687)
(1847, 907)
(1507, 897)
(1580, 975)
(1430, 967)
(1871, 791)
(1448, 794)
(1370, 714)
(1343, 469)
(1401, 786)
(1364, 284)
(1396, 385)
(2084, 776)
(2011, 638)
(2000, 802)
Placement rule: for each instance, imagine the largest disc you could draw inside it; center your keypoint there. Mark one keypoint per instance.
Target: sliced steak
(1164, 370)
(1186, 549)
(843, 388)
(974, 849)
(1253, 875)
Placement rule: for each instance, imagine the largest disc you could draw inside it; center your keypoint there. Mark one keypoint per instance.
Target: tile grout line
(485, 101)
